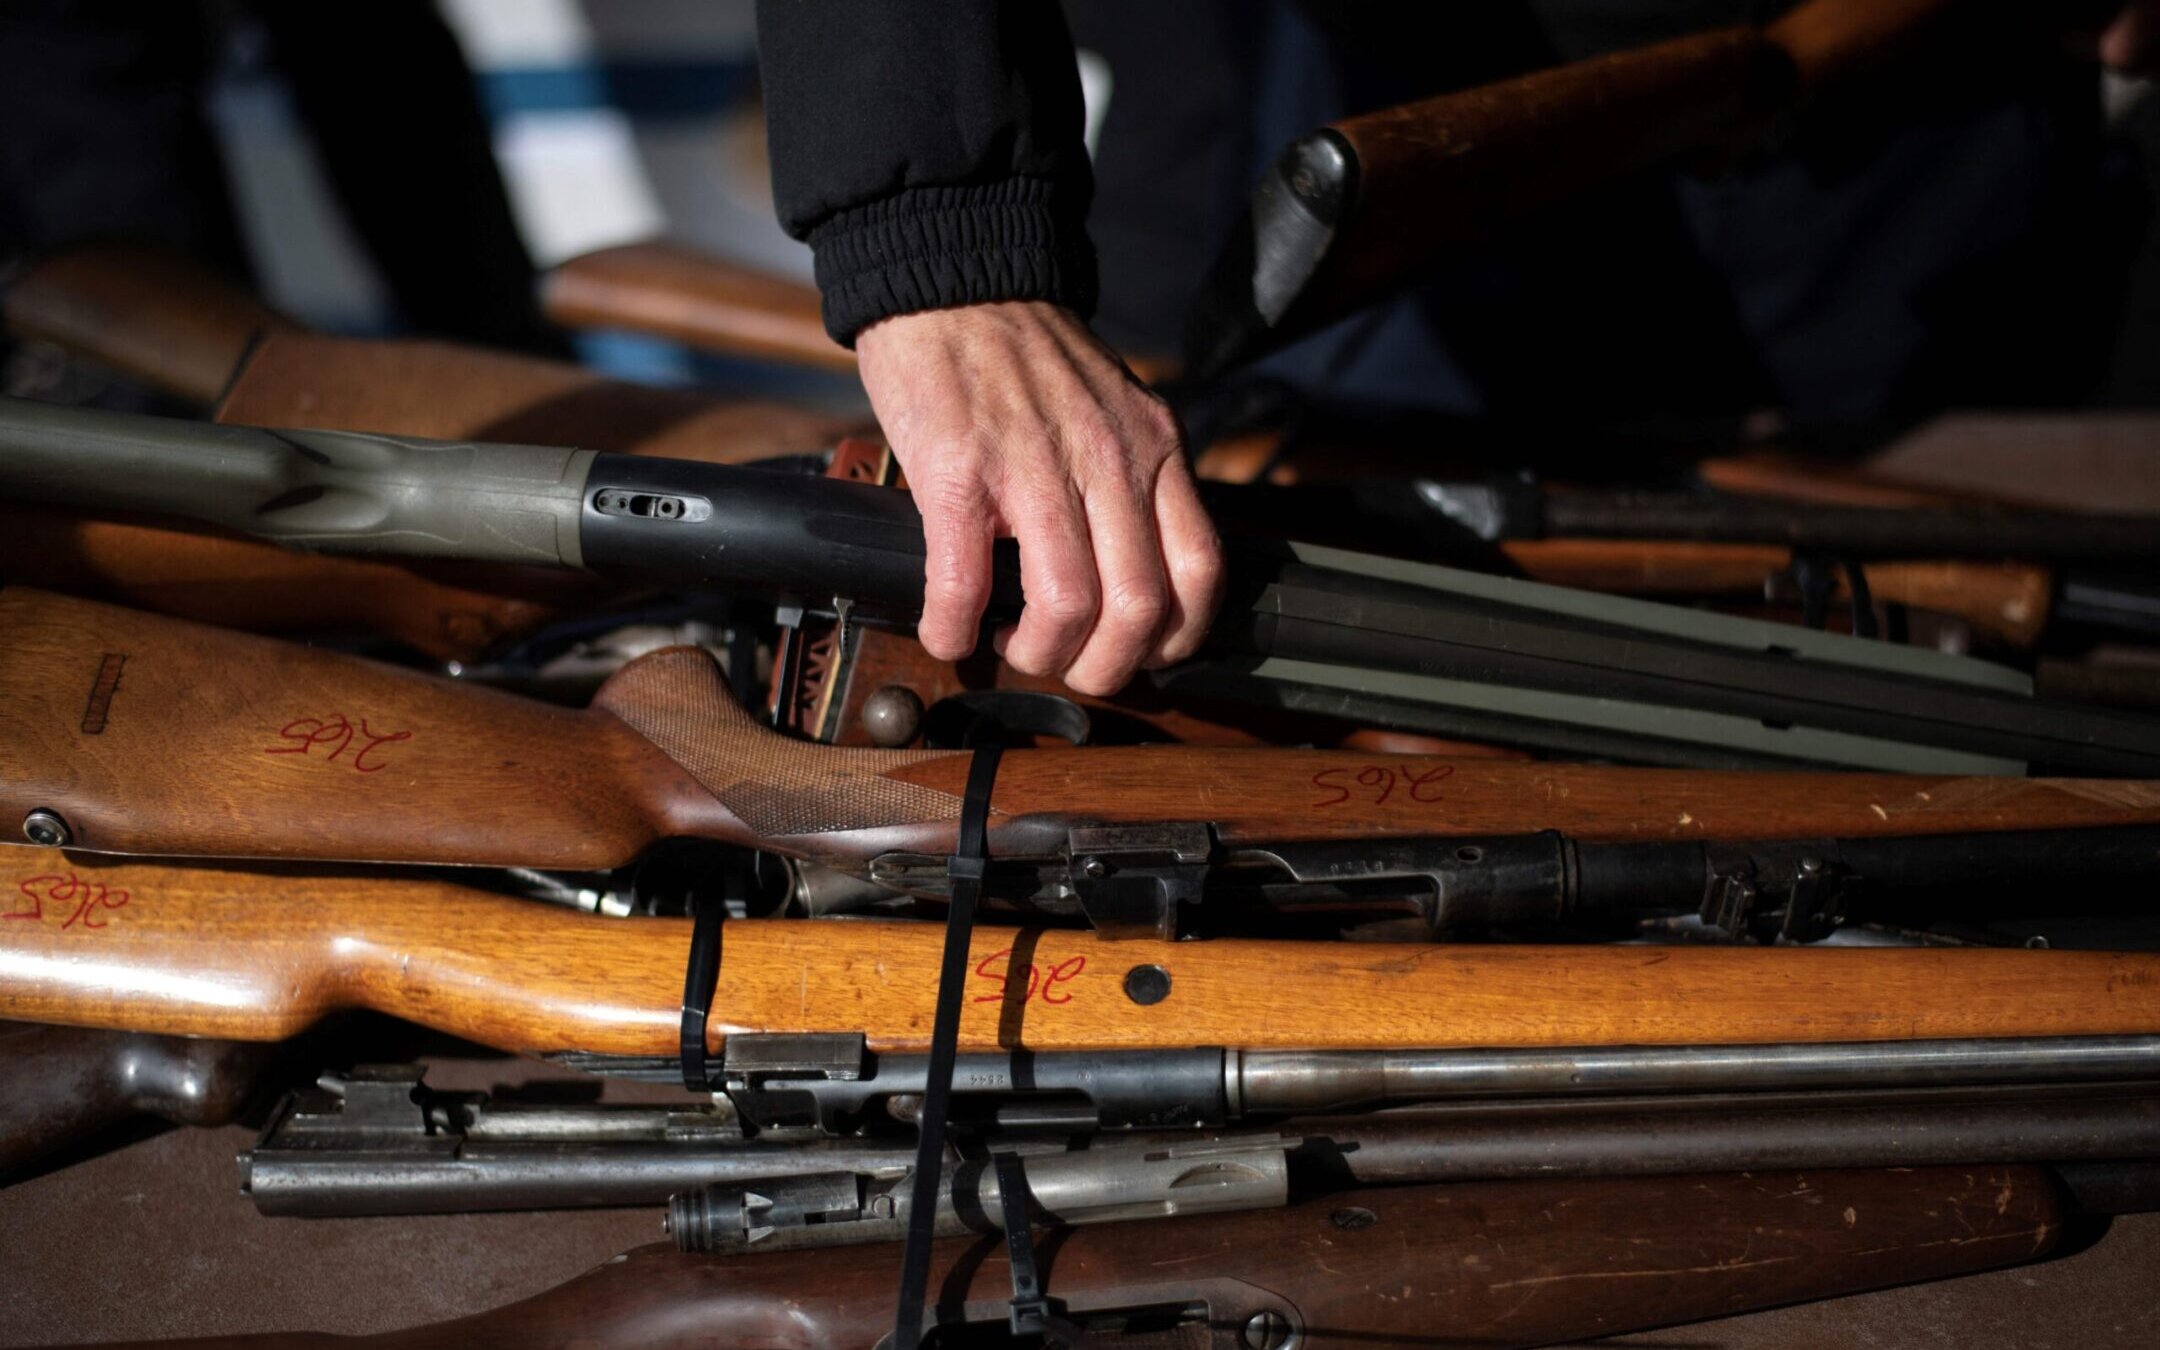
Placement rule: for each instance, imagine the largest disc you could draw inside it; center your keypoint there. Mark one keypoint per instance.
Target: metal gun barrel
(1297, 1081)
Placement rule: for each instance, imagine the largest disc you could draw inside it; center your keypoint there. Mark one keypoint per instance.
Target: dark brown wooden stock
(59, 1086)
(263, 955)
(152, 735)
(1459, 168)
(150, 314)
(1489, 1265)
(1456, 169)
(695, 298)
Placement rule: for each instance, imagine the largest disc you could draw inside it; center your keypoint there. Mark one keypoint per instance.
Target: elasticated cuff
(934, 248)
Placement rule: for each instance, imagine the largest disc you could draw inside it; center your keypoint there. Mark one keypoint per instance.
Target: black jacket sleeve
(929, 151)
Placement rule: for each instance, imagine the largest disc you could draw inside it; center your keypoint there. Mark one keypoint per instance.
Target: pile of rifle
(1463, 949)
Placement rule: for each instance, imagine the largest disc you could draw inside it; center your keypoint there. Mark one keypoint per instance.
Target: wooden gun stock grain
(263, 955)
(146, 312)
(695, 298)
(1490, 1265)
(243, 583)
(229, 745)
(451, 392)
(2005, 600)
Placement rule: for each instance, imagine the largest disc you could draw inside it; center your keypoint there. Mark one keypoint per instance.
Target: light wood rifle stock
(695, 298)
(2008, 601)
(185, 950)
(152, 735)
(1491, 1265)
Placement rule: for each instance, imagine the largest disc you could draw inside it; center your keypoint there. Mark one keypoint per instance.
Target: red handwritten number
(1432, 778)
(304, 735)
(29, 893)
(90, 899)
(1064, 972)
(1380, 782)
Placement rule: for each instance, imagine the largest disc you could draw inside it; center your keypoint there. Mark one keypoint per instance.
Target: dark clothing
(103, 136)
(1949, 241)
(930, 152)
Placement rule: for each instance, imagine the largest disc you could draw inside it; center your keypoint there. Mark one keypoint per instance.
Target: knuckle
(1159, 424)
(1139, 603)
(1099, 449)
(1069, 607)
(1201, 568)
(953, 584)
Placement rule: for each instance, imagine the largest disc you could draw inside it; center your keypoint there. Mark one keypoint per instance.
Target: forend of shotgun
(1494, 1265)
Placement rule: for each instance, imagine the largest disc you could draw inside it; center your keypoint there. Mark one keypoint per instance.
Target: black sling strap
(700, 979)
(966, 867)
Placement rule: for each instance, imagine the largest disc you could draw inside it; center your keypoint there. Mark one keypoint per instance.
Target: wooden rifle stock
(180, 327)
(60, 1086)
(152, 735)
(2007, 601)
(1495, 1265)
(695, 298)
(150, 314)
(263, 955)
(243, 583)
(1362, 207)
(709, 303)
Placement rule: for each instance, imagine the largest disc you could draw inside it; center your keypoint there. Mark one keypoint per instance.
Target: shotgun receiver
(1357, 209)
(263, 955)
(1426, 648)
(1490, 1264)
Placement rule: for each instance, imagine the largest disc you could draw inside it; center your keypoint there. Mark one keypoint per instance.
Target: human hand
(1014, 419)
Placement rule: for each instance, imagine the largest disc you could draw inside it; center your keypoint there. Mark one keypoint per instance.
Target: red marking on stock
(90, 899)
(1373, 784)
(305, 735)
(1039, 986)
